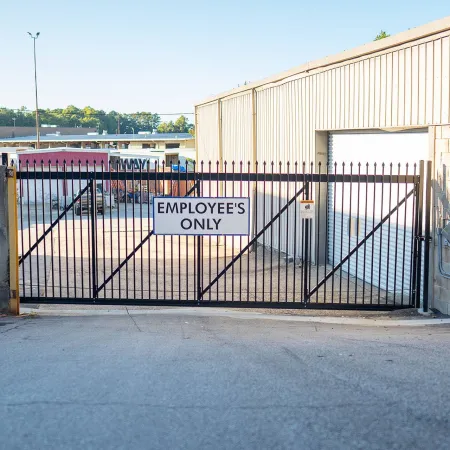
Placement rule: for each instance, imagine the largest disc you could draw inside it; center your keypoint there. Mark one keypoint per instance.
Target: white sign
(307, 209)
(211, 216)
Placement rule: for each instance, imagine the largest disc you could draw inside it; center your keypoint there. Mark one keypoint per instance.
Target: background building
(11, 132)
(52, 160)
(387, 101)
(161, 146)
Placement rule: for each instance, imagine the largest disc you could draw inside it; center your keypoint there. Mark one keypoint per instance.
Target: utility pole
(118, 124)
(36, 89)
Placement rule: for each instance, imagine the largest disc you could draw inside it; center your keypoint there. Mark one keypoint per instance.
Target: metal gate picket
(285, 263)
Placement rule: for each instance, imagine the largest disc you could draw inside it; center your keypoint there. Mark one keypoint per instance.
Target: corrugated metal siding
(409, 86)
(391, 88)
(404, 87)
(237, 143)
(207, 133)
(285, 233)
(237, 128)
(282, 113)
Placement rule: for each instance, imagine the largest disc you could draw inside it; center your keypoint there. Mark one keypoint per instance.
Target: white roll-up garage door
(350, 216)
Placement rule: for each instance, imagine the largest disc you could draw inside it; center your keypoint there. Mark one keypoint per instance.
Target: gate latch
(423, 239)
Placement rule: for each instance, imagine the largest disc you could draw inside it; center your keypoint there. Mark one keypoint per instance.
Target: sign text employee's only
(201, 216)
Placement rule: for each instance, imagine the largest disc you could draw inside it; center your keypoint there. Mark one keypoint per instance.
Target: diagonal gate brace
(360, 244)
(50, 228)
(135, 250)
(255, 238)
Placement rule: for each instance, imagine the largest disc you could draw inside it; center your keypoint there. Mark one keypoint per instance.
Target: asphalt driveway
(170, 381)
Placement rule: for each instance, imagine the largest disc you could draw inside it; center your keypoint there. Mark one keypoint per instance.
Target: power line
(97, 114)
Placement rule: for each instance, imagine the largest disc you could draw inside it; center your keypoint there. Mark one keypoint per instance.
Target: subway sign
(200, 216)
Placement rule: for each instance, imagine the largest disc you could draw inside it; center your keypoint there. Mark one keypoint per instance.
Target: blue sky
(164, 56)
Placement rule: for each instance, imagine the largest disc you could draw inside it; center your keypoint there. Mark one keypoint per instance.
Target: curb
(418, 322)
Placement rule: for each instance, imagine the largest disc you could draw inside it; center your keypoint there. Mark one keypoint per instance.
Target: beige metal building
(387, 101)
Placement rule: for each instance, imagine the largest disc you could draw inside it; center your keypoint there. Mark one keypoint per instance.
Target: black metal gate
(86, 236)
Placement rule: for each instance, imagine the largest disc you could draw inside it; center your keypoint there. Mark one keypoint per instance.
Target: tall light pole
(36, 89)
(14, 120)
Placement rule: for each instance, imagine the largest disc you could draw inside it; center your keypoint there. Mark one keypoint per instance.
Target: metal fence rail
(86, 235)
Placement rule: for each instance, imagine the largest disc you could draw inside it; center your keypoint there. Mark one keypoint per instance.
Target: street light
(133, 131)
(14, 120)
(36, 89)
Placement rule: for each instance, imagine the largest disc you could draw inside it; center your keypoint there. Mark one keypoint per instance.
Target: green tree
(181, 125)
(145, 121)
(23, 118)
(109, 122)
(166, 127)
(71, 116)
(381, 35)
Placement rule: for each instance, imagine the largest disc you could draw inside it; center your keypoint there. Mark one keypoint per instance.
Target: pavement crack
(293, 355)
(308, 406)
(132, 318)
(19, 325)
